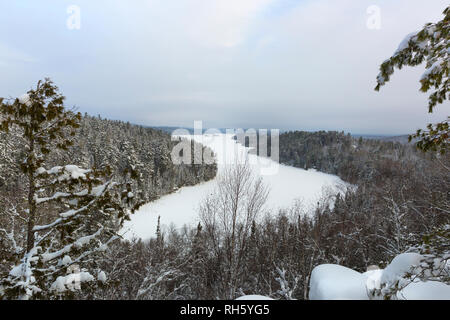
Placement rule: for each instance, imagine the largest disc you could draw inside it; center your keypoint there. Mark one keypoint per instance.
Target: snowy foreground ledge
(335, 282)
(254, 297)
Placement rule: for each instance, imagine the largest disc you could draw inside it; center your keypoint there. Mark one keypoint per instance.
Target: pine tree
(159, 243)
(430, 45)
(71, 213)
(198, 245)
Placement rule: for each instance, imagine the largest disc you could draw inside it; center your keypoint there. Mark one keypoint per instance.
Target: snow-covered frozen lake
(286, 186)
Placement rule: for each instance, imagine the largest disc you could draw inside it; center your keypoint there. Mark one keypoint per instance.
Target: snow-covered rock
(429, 290)
(335, 282)
(330, 282)
(254, 297)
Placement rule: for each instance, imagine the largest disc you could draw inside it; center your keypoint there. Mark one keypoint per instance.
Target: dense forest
(68, 183)
(132, 157)
(400, 203)
(401, 197)
(353, 159)
(120, 145)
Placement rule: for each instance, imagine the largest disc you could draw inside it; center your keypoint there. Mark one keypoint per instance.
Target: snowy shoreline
(288, 186)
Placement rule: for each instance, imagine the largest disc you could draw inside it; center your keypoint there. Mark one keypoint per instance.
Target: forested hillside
(137, 161)
(118, 144)
(401, 195)
(194, 203)
(352, 159)
(400, 199)
(400, 203)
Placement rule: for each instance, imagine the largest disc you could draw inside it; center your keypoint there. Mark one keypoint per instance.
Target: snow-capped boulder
(335, 282)
(254, 297)
(429, 290)
(331, 282)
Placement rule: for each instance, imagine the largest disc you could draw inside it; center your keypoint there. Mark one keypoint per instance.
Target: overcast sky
(287, 64)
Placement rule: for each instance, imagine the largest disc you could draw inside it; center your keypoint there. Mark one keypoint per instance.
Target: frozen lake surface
(286, 186)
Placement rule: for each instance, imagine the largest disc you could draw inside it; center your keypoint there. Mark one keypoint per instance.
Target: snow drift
(335, 282)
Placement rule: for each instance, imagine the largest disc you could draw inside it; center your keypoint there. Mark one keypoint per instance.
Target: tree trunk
(31, 202)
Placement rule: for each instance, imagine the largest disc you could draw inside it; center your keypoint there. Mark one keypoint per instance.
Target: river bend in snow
(286, 186)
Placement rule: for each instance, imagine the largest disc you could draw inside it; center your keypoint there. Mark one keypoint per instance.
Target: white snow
(53, 170)
(73, 172)
(85, 276)
(76, 172)
(86, 239)
(71, 281)
(405, 42)
(101, 276)
(329, 282)
(335, 282)
(59, 284)
(433, 69)
(57, 195)
(67, 172)
(373, 278)
(17, 271)
(400, 265)
(66, 260)
(25, 99)
(429, 290)
(97, 191)
(254, 297)
(287, 186)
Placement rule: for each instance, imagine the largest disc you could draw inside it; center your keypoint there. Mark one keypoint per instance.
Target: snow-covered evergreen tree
(70, 214)
(432, 46)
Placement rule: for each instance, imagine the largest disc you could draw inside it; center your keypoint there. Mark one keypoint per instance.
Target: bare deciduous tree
(227, 215)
